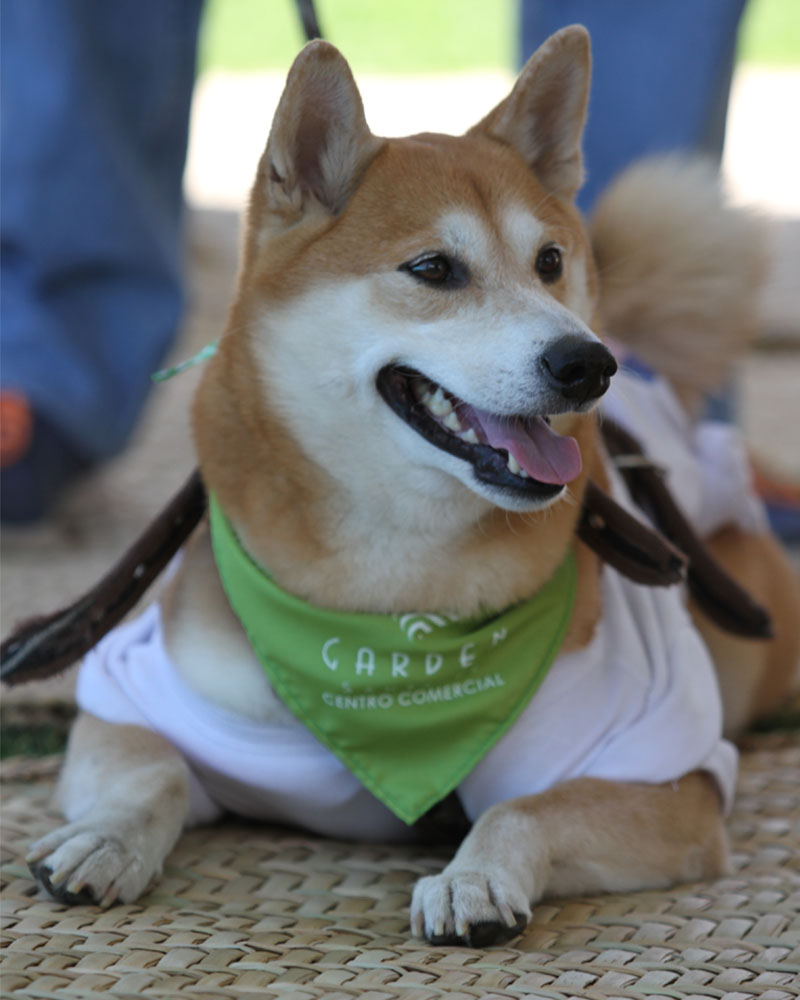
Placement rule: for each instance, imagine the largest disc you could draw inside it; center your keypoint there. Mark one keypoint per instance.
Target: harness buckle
(634, 461)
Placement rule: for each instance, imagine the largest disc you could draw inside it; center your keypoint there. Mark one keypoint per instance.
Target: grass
(384, 36)
(417, 36)
(31, 741)
(30, 730)
(770, 33)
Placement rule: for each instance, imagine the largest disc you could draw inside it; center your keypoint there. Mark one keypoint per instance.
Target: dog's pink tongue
(542, 453)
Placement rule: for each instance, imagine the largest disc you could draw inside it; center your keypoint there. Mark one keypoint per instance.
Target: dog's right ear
(320, 143)
(543, 116)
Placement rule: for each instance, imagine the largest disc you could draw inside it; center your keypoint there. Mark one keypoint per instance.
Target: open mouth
(519, 453)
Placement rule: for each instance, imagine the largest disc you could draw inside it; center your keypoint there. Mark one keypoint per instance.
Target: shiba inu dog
(389, 601)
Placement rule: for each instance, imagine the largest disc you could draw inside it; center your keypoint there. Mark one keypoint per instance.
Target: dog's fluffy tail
(680, 272)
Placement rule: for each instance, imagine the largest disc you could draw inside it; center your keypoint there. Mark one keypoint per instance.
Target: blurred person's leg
(661, 76)
(95, 107)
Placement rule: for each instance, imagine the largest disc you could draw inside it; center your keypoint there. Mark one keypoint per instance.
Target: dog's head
(415, 313)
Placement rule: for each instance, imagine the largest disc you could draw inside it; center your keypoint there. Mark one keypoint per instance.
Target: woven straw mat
(244, 910)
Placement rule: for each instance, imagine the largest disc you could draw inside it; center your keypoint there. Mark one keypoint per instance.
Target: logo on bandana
(418, 625)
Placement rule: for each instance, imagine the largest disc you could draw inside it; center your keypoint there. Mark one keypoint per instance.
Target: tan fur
(125, 794)
(551, 94)
(335, 207)
(201, 632)
(755, 677)
(583, 836)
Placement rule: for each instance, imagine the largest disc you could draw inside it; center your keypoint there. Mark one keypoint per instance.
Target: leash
(719, 596)
(309, 20)
(43, 646)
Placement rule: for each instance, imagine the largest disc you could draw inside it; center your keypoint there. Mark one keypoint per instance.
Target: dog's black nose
(579, 369)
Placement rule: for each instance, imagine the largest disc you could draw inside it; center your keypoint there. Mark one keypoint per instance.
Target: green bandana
(410, 703)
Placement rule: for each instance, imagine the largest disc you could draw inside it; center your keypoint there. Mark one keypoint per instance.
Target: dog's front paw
(474, 908)
(81, 863)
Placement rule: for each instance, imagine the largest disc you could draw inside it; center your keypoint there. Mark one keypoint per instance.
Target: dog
(397, 433)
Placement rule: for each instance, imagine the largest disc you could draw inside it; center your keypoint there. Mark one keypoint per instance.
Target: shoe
(35, 462)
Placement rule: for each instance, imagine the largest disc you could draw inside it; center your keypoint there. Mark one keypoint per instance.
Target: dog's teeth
(523, 474)
(470, 436)
(439, 404)
(452, 422)
(513, 464)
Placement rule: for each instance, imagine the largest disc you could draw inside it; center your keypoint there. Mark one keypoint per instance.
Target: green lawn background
(418, 36)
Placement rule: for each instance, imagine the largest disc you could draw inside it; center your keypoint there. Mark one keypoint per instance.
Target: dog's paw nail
(74, 888)
(462, 928)
(438, 929)
(418, 925)
(55, 879)
(111, 896)
(508, 915)
(35, 854)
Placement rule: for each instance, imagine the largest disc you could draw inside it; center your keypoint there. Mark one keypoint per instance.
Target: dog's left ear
(544, 115)
(320, 142)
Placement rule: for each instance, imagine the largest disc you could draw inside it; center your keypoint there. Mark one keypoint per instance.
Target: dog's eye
(436, 269)
(549, 264)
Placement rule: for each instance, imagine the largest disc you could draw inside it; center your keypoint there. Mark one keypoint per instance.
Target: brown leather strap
(719, 596)
(44, 645)
(628, 544)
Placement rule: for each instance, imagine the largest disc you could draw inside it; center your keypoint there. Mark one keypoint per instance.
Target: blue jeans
(662, 72)
(95, 110)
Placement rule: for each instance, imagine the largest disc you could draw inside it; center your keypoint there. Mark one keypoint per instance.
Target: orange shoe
(36, 463)
(16, 427)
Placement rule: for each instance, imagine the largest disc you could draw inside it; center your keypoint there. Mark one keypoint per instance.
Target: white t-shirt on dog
(640, 703)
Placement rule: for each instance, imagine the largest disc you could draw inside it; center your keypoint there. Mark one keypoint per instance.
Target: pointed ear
(544, 115)
(320, 143)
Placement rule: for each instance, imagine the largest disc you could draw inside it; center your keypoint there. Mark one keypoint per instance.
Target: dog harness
(44, 645)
